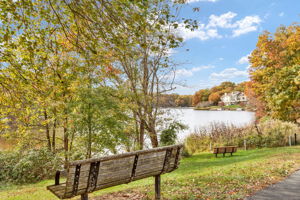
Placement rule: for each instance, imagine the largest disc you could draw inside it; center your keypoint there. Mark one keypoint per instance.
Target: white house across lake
(234, 98)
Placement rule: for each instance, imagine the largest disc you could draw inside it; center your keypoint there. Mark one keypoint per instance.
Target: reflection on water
(198, 118)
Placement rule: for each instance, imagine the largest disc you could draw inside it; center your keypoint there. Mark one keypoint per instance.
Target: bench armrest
(57, 176)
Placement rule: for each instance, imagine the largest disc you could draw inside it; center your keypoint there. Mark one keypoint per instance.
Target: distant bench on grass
(224, 150)
(86, 176)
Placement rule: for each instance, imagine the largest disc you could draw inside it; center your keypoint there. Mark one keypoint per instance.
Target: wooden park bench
(86, 176)
(224, 150)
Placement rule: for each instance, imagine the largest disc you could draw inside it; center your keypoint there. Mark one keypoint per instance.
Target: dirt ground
(123, 195)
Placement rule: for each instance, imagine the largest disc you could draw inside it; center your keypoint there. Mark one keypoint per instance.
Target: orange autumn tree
(274, 70)
(214, 97)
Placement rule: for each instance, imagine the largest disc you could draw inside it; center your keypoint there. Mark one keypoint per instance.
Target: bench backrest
(229, 149)
(93, 174)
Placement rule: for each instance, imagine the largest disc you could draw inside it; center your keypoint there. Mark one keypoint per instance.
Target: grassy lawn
(230, 107)
(201, 176)
(234, 107)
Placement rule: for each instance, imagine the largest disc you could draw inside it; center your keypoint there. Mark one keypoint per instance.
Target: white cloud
(281, 14)
(199, 33)
(190, 72)
(222, 21)
(213, 33)
(243, 26)
(183, 72)
(246, 25)
(244, 60)
(229, 73)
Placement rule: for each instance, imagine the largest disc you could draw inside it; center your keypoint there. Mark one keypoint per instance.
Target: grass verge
(199, 177)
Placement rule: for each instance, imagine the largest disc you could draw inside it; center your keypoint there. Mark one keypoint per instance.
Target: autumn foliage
(274, 73)
(214, 94)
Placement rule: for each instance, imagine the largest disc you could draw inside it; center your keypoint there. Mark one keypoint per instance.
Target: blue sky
(228, 32)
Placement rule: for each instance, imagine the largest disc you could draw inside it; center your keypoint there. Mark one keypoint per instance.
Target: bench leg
(216, 155)
(223, 154)
(231, 154)
(157, 187)
(84, 196)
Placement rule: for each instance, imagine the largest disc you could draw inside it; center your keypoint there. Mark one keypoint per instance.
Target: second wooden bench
(224, 150)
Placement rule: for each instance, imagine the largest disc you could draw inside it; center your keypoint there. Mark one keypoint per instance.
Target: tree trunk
(137, 132)
(47, 131)
(153, 136)
(66, 143)
(141, 134)
(54, 136)
(71, 141)
(257, 129)
(89, 143)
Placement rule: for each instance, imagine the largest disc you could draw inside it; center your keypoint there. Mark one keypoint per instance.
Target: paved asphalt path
(288, 189)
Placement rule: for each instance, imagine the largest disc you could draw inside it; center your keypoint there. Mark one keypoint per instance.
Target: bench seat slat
(58, 190)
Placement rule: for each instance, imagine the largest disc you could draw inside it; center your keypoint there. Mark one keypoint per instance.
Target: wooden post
(84, 196)
(157, 187)
(245, 144)
(295, 139)
(57, 177)
(290, 141)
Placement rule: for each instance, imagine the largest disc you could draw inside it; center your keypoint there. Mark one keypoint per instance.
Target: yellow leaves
(64, 42)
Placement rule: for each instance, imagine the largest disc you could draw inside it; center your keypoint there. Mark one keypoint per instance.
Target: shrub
(215, 134)
(268, 133)
(28, 167)
(185, 153)
(8, 161)
(169, 135)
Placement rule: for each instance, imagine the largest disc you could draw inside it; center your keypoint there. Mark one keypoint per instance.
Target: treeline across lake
(175, 100)
(211, 95)
(214, 94)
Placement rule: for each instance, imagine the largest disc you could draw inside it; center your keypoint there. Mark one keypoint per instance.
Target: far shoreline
(211, 109)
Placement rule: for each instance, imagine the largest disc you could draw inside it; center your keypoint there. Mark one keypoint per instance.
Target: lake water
(194, 119)
(199, 118)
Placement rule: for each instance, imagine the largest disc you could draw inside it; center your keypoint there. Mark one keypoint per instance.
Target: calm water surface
(199, 118)
(195, 119)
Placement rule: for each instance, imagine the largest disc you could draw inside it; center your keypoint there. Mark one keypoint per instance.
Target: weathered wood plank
(113, 157)
(58, 190)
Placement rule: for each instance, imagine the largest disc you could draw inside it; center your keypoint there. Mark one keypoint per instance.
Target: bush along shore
(268, 133)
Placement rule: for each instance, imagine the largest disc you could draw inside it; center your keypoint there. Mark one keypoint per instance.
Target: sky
(228, 31)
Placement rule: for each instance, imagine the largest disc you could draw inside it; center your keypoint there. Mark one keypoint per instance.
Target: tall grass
(268, 133)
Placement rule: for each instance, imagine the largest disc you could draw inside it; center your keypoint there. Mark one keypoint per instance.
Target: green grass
(230, 107)
(200, 176)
